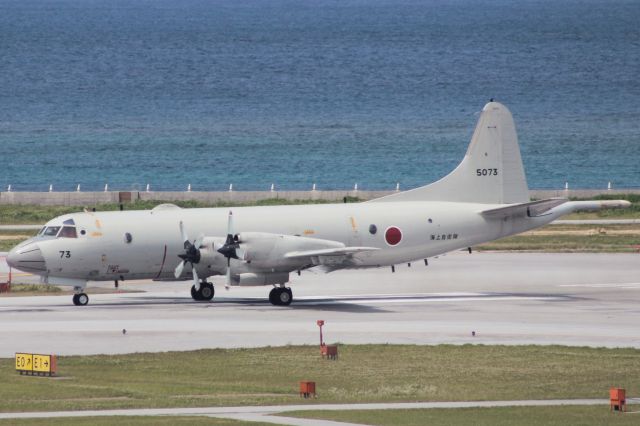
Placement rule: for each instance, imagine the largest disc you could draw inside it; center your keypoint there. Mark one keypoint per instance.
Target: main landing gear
(280, 296)
(80, 299)
(205, 292)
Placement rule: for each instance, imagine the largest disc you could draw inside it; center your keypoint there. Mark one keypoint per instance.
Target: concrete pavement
(277, 413)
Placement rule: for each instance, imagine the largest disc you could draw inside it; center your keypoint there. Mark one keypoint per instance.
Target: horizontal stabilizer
(341, 251)
(531, 209)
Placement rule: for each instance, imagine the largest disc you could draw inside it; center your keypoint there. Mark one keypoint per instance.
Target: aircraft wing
(531, 209)
(331, 258)
(341, 251)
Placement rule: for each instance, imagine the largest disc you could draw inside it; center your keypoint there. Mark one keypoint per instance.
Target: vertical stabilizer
(491, 171)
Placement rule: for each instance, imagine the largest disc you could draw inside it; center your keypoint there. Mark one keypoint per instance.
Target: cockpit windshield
(51, 231)
(68, 232)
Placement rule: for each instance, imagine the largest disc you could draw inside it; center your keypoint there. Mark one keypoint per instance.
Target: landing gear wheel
(80, 299)
(280, 296)
(206, 291)
(273, 296)
(285, 297)
(195, 294)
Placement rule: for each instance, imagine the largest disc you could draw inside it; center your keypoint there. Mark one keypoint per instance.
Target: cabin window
(51, 231)
(68, 232)
(128, 237)
(373, 229)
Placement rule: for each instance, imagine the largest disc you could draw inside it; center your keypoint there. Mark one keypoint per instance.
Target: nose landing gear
(205, 292)
(80, 299)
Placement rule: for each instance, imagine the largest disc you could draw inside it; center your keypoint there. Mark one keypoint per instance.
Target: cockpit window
(68, 222)
(68, 232)
(51, 231)
(42, 230)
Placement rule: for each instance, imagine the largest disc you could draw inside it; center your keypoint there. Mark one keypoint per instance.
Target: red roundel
(393, 235)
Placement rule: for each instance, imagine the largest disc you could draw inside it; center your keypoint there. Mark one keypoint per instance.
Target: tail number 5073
(486, 172)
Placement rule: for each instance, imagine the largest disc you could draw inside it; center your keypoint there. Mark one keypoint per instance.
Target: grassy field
(29, 289)
(572, 238)
(131, 420)
(364, 373)
(35, 214)
(502, 416)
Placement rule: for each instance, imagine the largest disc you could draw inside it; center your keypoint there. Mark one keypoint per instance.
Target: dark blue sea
(376, 92)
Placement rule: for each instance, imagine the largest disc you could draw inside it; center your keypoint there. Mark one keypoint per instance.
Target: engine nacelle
(251, 279)
(210, 259)
(268, 250)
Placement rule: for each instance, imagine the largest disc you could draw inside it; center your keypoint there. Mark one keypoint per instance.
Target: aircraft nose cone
(27, 258)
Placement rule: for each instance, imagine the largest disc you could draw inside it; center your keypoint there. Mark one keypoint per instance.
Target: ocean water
(256, 92)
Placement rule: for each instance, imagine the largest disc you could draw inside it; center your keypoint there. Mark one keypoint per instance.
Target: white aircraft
(483, 199)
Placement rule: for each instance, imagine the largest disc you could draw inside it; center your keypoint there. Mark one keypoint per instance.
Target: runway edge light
(617, 399)
(327, 351)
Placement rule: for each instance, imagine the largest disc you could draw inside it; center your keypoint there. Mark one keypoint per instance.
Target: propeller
(230, 248)
(191, 255)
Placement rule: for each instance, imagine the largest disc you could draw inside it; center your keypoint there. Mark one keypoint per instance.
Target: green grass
(572, 238)
(501, 416)
(130, 420)
(7, 244)
(36, 214)
(34, 288)
(364, 373)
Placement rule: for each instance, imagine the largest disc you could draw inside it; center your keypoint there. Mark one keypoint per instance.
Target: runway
(506, 298)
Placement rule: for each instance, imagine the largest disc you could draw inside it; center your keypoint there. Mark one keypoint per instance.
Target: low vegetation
(37, 214)
(131, 421)
(363, 373)
(572, 238)
(26, 289)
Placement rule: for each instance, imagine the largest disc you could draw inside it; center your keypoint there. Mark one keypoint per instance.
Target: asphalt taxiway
(506, 298)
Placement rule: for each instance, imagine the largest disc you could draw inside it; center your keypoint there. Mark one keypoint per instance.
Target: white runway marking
(427, 298)
(608, 285)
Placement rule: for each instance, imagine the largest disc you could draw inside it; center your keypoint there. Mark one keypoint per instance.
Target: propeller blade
(196, 281)
(183, 234)
(241, 253)
(227, 283)
(178, 272)
(197, 243)
(230, 223)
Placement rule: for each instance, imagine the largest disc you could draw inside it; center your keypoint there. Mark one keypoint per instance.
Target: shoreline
(93, 198)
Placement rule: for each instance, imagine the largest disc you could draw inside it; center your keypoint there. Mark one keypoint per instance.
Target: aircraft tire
(274, 296)
(81, 298)
(206, 291)
(285, 297)
(196, 295)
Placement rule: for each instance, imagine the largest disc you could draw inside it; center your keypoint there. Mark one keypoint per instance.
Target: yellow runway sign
(36, 364)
